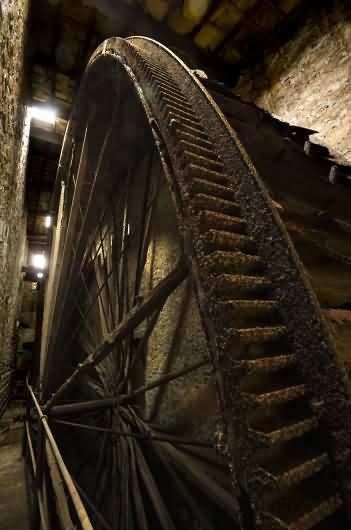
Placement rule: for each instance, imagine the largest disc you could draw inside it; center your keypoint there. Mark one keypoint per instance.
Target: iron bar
(141, 347)
(115, 261)
(85, 322)
(125, 242)
(166, 378)
(112, 314)
(119, 257)
(84, 406)
(110, 274)
(185, 493)
(157, 297)
(92, 507)
(209, 458)
(152, 490)
(136, 491)
(101, 300)
(104, 474)
(79, 507)
(147, 434)
(42, 512)
(67, 241)
(196, 475)
(145, 223)
(125, 515)
(40, 483)
(115, 476)
(96, 173)
(173, 348)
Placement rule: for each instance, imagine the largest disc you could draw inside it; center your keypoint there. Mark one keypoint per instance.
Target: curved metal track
(284, 398)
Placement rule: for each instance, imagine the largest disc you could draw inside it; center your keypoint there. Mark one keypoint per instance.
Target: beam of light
(40, 275)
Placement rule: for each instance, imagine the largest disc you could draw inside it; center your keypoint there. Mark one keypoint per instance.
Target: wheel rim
(242, 265)
(132, 245)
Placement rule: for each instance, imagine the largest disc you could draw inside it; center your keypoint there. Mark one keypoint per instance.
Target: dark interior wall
(306, 81)
(14, 134)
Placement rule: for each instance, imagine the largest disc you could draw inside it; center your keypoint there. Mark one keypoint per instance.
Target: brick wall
(307, 81)
(14, 134)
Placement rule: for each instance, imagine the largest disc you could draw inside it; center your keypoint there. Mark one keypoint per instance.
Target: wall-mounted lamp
(48, 221)
(44, 114)
(39, 261)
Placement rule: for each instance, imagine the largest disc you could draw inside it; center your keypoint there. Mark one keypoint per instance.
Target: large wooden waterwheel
(191, 379)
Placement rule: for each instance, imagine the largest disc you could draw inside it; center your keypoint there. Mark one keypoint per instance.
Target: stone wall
(307, 81)
(14, 134)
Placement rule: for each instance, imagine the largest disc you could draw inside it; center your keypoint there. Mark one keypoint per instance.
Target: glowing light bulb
(46, 115)
(48, 221)
(39, 261)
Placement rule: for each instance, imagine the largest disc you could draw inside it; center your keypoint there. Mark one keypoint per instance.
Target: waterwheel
(190, 378)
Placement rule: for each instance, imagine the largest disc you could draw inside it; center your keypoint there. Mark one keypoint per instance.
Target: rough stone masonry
(14, 133)
(306, 82)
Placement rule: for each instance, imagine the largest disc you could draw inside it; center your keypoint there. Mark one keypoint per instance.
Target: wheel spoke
(97, 404)
(174, 345)
(145, 223)
(184, 492)
(115, 263)
(111, 320)
(166, 378)
(205, 456)
(93, 509)
(156, 299)
(115, 480)
(141, 347)
(125, 515)
(136, 491)
(202, 480)
(125, 242)
(146, 434)
(72, 222)
(153, 491)
(85, 323)
(100, 461)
